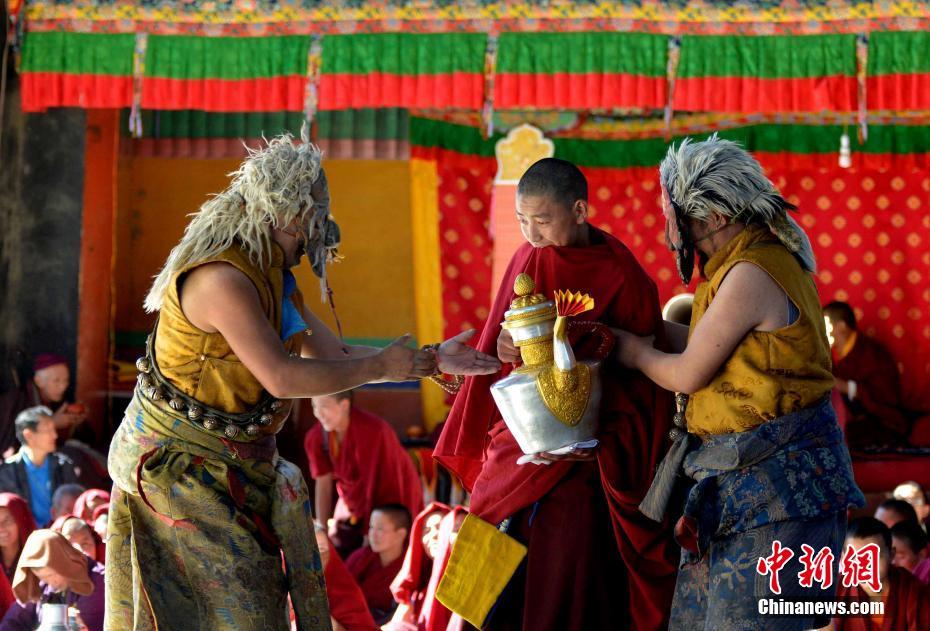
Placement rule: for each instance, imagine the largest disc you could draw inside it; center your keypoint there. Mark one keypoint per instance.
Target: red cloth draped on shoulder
(347, 603)
(7, 597)
(419, 577)
(907, 607)
(371, 468)
(635, 417)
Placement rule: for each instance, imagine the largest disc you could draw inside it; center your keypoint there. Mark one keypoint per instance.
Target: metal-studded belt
(155, 387)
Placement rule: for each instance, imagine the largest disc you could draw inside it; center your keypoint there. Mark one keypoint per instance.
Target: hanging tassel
(862, 67)
(671, 73)
(845, 153)
(138, 76)
(490, 68)
(312, 96)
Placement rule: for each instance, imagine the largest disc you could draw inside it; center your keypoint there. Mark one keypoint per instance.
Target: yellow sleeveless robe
(202, 365)
(770, 373)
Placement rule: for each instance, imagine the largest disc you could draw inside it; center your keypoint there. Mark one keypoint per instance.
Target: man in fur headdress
(203, 508)
(764, 455)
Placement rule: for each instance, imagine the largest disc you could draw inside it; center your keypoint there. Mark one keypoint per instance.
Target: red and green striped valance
(899, 71)
(432, 71)
(228, 74)
(61, 69)
(581, 71)
(777, 146)
(578, 71)
(806, 73)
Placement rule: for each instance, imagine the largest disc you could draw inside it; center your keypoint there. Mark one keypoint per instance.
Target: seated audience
(101, 520)
(36, 470)
(891, 512)
(414, 588)
(47, 387)
(80, 534)
(347, 606)
(910, 549)
(16, 524)
(866, 375)
(362, 455)
(907, 601)
(52, 570)
(914, 494)
(375, 565)
(88, 501)
(64, 499)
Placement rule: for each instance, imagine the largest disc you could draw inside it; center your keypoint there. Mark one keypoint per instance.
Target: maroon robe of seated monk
(874, 414)
(375, 579)
(347, 604)
(593, 561)
(370, 467)
(907, 605)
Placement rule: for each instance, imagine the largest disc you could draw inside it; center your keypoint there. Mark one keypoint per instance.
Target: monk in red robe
(376, 565)
(363, 455)
(427, 555)
(906, 600)
(867, 376)
(593, 561)
(347, 606)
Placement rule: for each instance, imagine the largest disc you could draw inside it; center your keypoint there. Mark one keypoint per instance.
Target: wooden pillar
(96, 266)
(516, 152)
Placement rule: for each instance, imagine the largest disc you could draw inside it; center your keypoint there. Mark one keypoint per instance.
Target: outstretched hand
(457, 358)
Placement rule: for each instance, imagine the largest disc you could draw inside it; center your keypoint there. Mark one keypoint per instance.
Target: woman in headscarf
(82, 535)
(16, 524)
(51, 570)
(88, 501)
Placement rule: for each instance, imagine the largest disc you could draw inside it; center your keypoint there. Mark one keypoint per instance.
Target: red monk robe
(370, 467)
(874, 415)
(347, 604)
(907, 606)
(564, 560)
(374, 579)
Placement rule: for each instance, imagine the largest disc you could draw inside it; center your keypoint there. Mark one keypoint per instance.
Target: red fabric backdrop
(870, 230)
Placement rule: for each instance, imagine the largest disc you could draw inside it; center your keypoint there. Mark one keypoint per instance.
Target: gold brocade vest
(202, 365)
(770, 373)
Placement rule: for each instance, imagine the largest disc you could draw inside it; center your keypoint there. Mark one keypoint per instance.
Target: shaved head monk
(593, 561)
(363, 456)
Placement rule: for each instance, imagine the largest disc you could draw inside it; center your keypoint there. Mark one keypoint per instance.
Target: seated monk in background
(362, 454)
(593, 560)
(867, 376)
(375, 565)
(907, 601)
(910, 549)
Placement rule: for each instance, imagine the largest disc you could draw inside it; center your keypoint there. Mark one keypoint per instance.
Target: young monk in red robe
(906, 599)
(593, 561)
(347, 606)
(363, 455)
(376, 565)
(867, 377)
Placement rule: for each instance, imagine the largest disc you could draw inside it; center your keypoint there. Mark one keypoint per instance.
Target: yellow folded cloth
(482, 562)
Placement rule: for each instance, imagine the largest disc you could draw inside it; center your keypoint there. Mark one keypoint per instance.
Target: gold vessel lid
(528, 307)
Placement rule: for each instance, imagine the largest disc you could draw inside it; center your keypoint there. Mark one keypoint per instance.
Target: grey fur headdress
(718, 175)
(277, 184)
